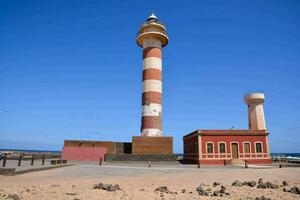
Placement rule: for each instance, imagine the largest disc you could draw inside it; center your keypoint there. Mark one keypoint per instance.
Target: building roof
(228, 132)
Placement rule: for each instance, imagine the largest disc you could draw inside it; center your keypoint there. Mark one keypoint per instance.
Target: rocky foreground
(163, 192)
(92, 182)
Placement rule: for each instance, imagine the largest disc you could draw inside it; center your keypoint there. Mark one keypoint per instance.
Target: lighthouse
(256, 114)
(152, 37)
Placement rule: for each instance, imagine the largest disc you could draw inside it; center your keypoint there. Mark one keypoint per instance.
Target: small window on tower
(210, 148)
(258, 148)
(222, 148)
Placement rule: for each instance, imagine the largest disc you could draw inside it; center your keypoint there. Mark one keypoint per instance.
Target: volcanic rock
(162, 189)
(250, 183)
(215, 184)
(285, 183)
(223, 188)
(107, 187)
(202, 192)
(262, 198)
(216, 193)
(295, 190)
(237, 184)
(267, 184)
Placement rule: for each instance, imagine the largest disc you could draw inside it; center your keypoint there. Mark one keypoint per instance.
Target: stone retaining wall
(141, 157)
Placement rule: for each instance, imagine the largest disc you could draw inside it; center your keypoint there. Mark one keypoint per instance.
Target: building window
(221, 147)
(247, 147)
(209, 148)
(258, 147)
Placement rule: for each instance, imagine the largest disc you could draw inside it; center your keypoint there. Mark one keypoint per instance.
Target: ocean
(31, 150)
(293, 155)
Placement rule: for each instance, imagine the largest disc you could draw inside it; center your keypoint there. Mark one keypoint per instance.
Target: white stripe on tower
(151, 132)
(152, 86)
(152, 63)
(153, 109)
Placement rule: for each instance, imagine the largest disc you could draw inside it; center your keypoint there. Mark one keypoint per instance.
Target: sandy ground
(137, 182)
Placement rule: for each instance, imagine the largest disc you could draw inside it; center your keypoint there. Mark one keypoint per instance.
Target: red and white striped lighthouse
(152, 37)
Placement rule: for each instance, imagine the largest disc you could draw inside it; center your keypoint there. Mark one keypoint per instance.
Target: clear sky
(71, 69)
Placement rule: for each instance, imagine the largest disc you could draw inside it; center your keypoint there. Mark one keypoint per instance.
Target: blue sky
(72, 70)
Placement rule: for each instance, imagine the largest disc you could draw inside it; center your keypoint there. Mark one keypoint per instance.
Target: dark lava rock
(183, 191)
(285, 183)
(247, 183)
(201, 191)
(295, 190)
(223, 188)
(237, 184)
(216, 193)
(272, 185)
(286, 189)
(262, 198)
(162, 189)
(76, 199)
(216, 184)
(250, 183)
(107, 187)
(13, 196)
(267, 184)
(261, 184)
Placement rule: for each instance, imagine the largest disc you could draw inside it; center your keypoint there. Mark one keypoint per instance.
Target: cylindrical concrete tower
(152, 37)
(256, 114)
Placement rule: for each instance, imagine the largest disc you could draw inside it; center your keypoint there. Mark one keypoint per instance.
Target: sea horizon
(294, 154)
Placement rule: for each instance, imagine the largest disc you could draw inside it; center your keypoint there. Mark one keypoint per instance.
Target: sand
(76, 182)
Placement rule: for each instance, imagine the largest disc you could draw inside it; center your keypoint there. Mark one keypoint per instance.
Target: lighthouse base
(152, 145)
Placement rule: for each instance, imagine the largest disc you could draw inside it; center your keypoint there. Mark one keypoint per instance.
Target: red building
(219, 147)
(214, 147)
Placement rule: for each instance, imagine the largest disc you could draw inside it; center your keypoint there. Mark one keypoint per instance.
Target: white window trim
(213, 148)
(238, 145)
(222, 142)
(262, 147)
(250, 153)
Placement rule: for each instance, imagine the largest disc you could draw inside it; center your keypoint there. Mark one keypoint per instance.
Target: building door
(234, 150)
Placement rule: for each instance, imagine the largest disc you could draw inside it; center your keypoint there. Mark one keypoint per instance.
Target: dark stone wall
(141, 157)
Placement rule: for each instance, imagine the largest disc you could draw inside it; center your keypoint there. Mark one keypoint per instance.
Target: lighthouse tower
(256, 114)
(152, 37)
